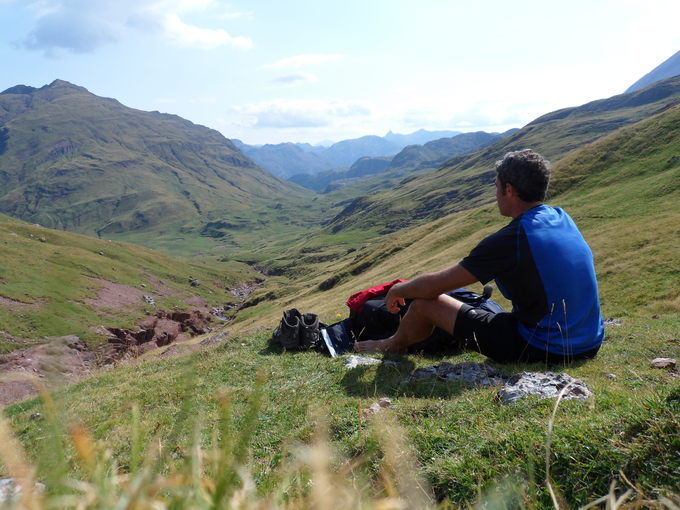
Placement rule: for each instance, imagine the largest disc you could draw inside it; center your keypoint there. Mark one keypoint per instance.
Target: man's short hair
(527, 171)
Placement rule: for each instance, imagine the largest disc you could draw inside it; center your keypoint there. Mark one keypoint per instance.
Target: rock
(214, 339)
(355, 361)
(161, 281)
(11, 492)
(377, 407)
(101, 253)
(143, 285)
(545, 385)
(655, 316)
(610, 376)
(194, 282)
(664, 362)
(611, 322)
(35, 416)
(150, 300)
(475, 374)
(43, 240)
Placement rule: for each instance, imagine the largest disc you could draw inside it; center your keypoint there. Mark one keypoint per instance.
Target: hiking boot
(309, 331)
(288, 332)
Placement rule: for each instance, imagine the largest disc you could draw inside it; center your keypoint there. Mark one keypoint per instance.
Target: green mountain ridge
(466, 181)
(78, 162)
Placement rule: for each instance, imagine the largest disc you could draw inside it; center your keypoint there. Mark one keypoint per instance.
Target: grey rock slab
(353, 361)
(545, 385)
(474, 374)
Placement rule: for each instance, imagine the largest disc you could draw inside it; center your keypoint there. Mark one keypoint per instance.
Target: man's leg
(422, 316)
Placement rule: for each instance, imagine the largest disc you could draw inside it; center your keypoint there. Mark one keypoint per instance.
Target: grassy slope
(50, 281)
(466, 181)
(623, 192)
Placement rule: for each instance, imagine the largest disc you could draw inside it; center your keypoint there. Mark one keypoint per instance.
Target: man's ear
(510, 190)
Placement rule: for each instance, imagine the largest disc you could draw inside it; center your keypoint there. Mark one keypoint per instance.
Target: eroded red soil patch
(63, 360)
(198, 303)
(115, 295)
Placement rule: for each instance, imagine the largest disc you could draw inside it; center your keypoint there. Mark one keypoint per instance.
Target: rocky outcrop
(157, 331)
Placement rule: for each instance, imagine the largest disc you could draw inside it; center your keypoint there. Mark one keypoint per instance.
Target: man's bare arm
(429, 286)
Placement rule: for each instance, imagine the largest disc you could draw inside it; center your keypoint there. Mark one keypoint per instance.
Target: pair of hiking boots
(298, 330)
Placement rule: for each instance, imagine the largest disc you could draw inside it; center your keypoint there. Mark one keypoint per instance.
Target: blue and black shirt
(541, 263)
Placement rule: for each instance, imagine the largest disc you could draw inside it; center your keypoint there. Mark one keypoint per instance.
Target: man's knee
(441, 311)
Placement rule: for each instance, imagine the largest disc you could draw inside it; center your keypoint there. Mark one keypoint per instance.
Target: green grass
(49, 283)
(462, 438)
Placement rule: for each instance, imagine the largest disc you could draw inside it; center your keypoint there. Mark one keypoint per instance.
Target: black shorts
(495, 335)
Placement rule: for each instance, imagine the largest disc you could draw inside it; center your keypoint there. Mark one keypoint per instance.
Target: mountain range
(75, 161)
(411, 158)
(466, 181)
(288, 159)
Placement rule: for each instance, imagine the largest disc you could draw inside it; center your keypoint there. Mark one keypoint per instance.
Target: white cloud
(302, 60)
(294, 79)
(82, 26)
(203, 38)
(304, 113)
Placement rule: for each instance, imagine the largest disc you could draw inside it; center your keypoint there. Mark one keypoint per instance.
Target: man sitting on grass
(539, 261)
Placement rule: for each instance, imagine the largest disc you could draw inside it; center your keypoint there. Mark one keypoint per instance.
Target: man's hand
(393, 300)
(428, 286)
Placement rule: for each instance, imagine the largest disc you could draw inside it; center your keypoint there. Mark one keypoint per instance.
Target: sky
(266, 71)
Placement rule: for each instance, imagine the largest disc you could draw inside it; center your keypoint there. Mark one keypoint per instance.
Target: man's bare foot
(369, 346)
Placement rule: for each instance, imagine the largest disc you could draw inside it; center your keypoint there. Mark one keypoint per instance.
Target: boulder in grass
(545, 385)
(664, 362)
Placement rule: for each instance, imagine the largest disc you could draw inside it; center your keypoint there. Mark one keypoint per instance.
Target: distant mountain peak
(56, 84)
(63, 84)
(19, 89)
(666, 69)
